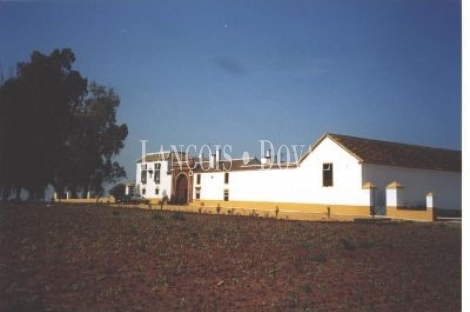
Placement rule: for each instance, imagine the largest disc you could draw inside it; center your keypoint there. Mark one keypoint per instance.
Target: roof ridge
(399, 154)
(392, 142)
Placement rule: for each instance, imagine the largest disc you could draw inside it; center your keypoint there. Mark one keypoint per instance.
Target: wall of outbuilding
(446, 186)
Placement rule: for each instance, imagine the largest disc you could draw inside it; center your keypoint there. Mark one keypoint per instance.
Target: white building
(161, 176)
(338, 174)
(153, 180)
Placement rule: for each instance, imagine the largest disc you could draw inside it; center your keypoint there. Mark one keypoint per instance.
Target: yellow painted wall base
(415, 215)
(104, 200)
(155, 201)
(293, 211)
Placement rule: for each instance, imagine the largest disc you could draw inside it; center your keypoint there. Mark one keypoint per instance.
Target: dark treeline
(57, 128)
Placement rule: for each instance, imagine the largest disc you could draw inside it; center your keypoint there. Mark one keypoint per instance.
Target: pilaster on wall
(431, 206)
(430, 200)
(395, 195)
(369, 193)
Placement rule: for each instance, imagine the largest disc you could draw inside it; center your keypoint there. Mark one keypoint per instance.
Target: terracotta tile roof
(239, 165)
(164, 156)
(400, 154)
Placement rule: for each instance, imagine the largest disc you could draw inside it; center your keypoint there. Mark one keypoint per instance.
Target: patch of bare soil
(89, 258)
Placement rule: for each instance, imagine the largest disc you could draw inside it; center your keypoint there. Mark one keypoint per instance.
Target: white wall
(212, 185)
(165, 180)
(296, 185)
(347, 179)
(446, 186)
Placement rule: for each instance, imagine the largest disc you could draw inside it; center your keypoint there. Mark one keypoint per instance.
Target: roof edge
(331, 137)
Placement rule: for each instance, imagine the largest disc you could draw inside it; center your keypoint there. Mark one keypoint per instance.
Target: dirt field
(116, 259)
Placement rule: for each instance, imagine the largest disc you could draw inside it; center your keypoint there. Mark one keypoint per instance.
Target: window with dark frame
(143, 176)
(156, 177)
(157, 191)
(328, 174)
(198, 193)
(198, 178)
(144, 191)
(226, 178)
(225, 195)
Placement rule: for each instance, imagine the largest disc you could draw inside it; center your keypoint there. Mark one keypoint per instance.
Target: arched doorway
(181, 193)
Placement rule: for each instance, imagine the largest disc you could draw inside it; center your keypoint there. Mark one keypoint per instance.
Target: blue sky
(235, 72)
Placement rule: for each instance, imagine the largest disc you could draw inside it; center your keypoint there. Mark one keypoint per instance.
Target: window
(156, 177)
(157, 191)
(226, 178)
(198, 193)
(328, 174)
(144, 191)
(225, 195)
(143, 176)
(144, 166)
(198, 179)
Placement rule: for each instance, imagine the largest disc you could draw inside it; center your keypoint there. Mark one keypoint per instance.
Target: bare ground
(90, 258)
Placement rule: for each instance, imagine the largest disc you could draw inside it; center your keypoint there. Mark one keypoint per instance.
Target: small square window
(144, 191)
(198, 193)
(226, 195)
(157, 191)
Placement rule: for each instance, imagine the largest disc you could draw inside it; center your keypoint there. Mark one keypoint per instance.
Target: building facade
(338, 174)
(165, 175)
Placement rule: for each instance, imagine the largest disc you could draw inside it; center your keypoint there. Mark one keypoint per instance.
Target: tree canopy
(57, 128)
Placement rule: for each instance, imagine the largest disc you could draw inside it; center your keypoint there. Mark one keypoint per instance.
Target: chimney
(268, 157)
(212, 161)
(199, 160)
